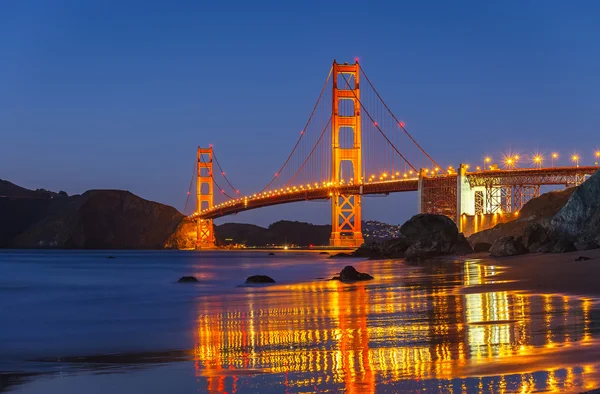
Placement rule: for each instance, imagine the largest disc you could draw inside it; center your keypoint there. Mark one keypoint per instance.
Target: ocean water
(79, 322)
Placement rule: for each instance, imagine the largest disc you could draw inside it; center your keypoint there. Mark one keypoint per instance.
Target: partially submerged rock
(259, 279)
(507, 246)
(583, 258)
(350, 274)
(187, 279)
(271, 254)
(341, 255)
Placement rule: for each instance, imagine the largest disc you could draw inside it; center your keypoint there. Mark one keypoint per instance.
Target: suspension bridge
(353, 145)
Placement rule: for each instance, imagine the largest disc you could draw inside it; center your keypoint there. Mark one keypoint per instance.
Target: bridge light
(401, 124)
(538, 159)
(375, 124)
(575, 159)
(405, 175)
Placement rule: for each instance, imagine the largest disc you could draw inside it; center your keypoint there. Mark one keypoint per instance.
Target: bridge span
(354, 145)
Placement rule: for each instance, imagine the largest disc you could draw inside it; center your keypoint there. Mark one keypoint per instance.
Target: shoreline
(541, 273)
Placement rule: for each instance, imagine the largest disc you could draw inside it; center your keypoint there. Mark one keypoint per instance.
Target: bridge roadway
(506, 177)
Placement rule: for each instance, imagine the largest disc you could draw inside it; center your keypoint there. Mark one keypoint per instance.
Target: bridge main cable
(379, 129)
(396, 119)
(301, 134)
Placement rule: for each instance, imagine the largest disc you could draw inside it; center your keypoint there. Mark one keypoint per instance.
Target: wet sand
(543, 273)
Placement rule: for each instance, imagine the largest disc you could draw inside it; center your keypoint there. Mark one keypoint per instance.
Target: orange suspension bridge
(353, 145)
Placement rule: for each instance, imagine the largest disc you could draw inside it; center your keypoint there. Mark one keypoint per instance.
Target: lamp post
(486, 160)
(597, 157)
(554, 156)
(575, 159)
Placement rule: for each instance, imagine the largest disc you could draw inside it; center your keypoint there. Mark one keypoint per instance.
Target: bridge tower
(346, 209)
(205, 237)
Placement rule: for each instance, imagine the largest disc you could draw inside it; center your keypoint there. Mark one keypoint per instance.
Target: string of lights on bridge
(509, 161)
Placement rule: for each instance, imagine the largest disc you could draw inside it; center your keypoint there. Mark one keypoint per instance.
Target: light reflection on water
(417, 333)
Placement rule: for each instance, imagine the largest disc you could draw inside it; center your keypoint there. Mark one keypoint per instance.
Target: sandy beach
(543, 273)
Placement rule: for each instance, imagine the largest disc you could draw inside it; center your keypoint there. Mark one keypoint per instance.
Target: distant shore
(543, 273)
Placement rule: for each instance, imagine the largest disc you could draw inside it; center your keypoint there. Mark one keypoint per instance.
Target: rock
(507, 246)
(461, 246)
(583, 258)
(534, 233)
(350, 274)
(259, 279)
(187, 279)
(546, 248)
(340, 255)
(579, 218)
(432, 235)
(586, 245)
(563, 245)
(393, 248)
(482, 247)
(427, 226)
(271, 254)
(534, 247)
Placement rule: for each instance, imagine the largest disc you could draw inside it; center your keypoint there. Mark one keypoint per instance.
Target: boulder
(583, 258)
(427, 226)
(564, 245)
(482, 247)
(461, 246)
(350, 274)
(507, 246)
(187, 279)
(259, 279)
(534, 234)
(431, 236)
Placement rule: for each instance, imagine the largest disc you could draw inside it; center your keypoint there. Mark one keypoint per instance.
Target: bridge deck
(523, 176)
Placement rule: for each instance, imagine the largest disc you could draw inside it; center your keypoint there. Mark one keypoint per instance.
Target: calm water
(77, 322)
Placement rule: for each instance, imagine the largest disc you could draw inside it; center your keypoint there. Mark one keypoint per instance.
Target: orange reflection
(412, 334)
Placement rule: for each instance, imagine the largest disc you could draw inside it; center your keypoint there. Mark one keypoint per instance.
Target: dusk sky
(118, 95)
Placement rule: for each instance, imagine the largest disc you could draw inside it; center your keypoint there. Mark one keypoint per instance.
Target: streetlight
(509, 162)
(554, 156)
(597, 157)
(537, 160)
(486, 160)
(575, 159)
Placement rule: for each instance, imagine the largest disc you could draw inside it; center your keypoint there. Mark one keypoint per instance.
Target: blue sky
(101, 94)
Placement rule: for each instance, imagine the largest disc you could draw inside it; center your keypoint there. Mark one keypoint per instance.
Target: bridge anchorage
(353, 145)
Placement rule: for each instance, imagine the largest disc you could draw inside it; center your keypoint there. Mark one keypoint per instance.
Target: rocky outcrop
(556, 222)
(349, 274)
(539, 210)
(257, 279)
(507, 246)
(579, 218)
(184, 236)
